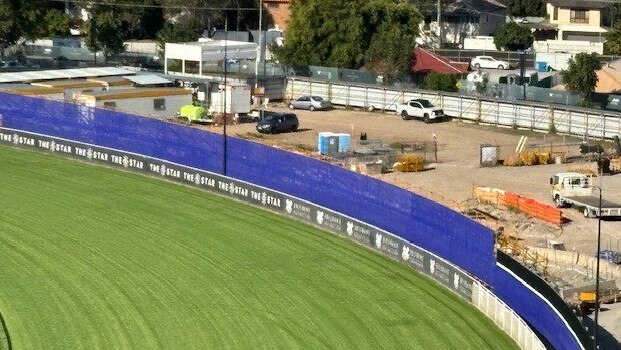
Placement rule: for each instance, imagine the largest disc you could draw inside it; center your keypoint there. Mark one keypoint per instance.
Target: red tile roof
(426, 61)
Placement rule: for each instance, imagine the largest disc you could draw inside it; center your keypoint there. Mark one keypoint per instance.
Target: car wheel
(477, 66)
(501, 67)
(426, 118)
(273, 130)
(558, 202)
(404, 115)
(294, 128)
(291, 106)
(587, 213)
(312, 108)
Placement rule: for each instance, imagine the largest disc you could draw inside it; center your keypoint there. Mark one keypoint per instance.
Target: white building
(191, 58)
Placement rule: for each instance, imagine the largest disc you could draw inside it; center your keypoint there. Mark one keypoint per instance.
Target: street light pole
(226, 32)
(599, 244)
(256, 61)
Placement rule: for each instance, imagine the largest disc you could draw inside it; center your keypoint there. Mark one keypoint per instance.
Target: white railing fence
(505, 318)
(590, 123)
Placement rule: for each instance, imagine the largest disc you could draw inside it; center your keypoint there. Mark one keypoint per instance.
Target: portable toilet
(328, 143)
(344, 142)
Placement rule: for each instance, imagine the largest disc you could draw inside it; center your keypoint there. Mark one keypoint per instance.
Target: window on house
(579, 16)
(555, 14)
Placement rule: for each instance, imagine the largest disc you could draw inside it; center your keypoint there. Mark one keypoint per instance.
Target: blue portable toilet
(344, 142)
(323, 141)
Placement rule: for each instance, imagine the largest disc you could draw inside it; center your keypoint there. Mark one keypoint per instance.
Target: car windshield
(317, 98)
(425, 103)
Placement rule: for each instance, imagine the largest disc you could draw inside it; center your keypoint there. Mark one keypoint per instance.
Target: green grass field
(95, 258)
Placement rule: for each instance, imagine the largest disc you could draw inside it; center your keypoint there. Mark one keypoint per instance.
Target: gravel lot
(458, 170)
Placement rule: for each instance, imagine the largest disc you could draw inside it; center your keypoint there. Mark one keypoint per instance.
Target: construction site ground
(452, 178)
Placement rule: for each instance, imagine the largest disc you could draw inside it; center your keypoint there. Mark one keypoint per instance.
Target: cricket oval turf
(96, 258)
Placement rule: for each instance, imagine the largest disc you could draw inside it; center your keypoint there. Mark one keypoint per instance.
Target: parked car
(12, 64)
(279, 122)
(610, 256)
(312, 103)
(419, 108)
(488, 62)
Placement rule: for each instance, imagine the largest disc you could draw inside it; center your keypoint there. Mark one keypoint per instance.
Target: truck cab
(570, 185)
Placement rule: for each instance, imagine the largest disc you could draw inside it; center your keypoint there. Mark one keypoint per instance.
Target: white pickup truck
(419, 108)
(575, 189)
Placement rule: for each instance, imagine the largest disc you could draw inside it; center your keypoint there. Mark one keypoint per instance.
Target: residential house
(578, 20)
(463, 19)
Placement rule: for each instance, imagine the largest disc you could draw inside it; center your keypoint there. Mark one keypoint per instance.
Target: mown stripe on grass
(97, 258)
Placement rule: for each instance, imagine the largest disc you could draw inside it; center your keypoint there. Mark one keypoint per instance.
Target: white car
(419, 108)
(488, 62)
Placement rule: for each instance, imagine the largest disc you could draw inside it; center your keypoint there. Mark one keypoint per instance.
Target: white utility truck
(575, 189)
(419, 108)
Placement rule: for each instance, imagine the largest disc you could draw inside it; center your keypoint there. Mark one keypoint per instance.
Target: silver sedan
(312, 103)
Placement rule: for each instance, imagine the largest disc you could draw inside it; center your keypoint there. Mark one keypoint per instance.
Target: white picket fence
(505, 318)
(581, 122)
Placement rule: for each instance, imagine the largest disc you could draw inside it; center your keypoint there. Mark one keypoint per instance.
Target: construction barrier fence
(521, 203)
(387, 218)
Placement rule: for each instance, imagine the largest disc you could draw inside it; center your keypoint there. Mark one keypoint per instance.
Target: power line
(178, 7)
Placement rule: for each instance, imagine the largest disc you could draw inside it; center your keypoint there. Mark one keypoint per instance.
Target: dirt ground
(457, 170)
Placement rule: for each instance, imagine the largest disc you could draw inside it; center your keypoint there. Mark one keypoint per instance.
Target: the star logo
(405, 253)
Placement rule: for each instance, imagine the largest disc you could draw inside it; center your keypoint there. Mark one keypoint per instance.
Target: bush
(441, 82)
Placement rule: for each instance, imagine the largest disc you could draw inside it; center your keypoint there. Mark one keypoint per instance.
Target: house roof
(427, 61)
(590, 4)
(609, 77)
(473, 7)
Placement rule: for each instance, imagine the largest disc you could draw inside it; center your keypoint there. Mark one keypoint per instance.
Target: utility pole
(226, 34)
(238, 14)
(256, 61)
(599, 244)
(439, 20)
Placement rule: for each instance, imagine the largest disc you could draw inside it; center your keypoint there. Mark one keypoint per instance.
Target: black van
(279, 122)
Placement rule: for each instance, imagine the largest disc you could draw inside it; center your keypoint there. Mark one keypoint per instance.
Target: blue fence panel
(151, 137)
(414, 218)
(417, 219)
(534, 310)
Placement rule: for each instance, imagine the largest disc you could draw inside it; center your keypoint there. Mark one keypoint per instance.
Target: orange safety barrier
(533, 208)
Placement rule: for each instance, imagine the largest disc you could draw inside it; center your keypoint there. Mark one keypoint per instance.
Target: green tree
(523, 8)
(9, 29)
(185, 31)
(57, 23)
(512, 37)
(440, 82)
(105, 34)
(350, 34)
(612, 45)
(30, 15)
(390, 50)
(580, 76)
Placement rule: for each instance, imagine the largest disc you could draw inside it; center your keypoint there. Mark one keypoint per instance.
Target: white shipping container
(237, 100)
